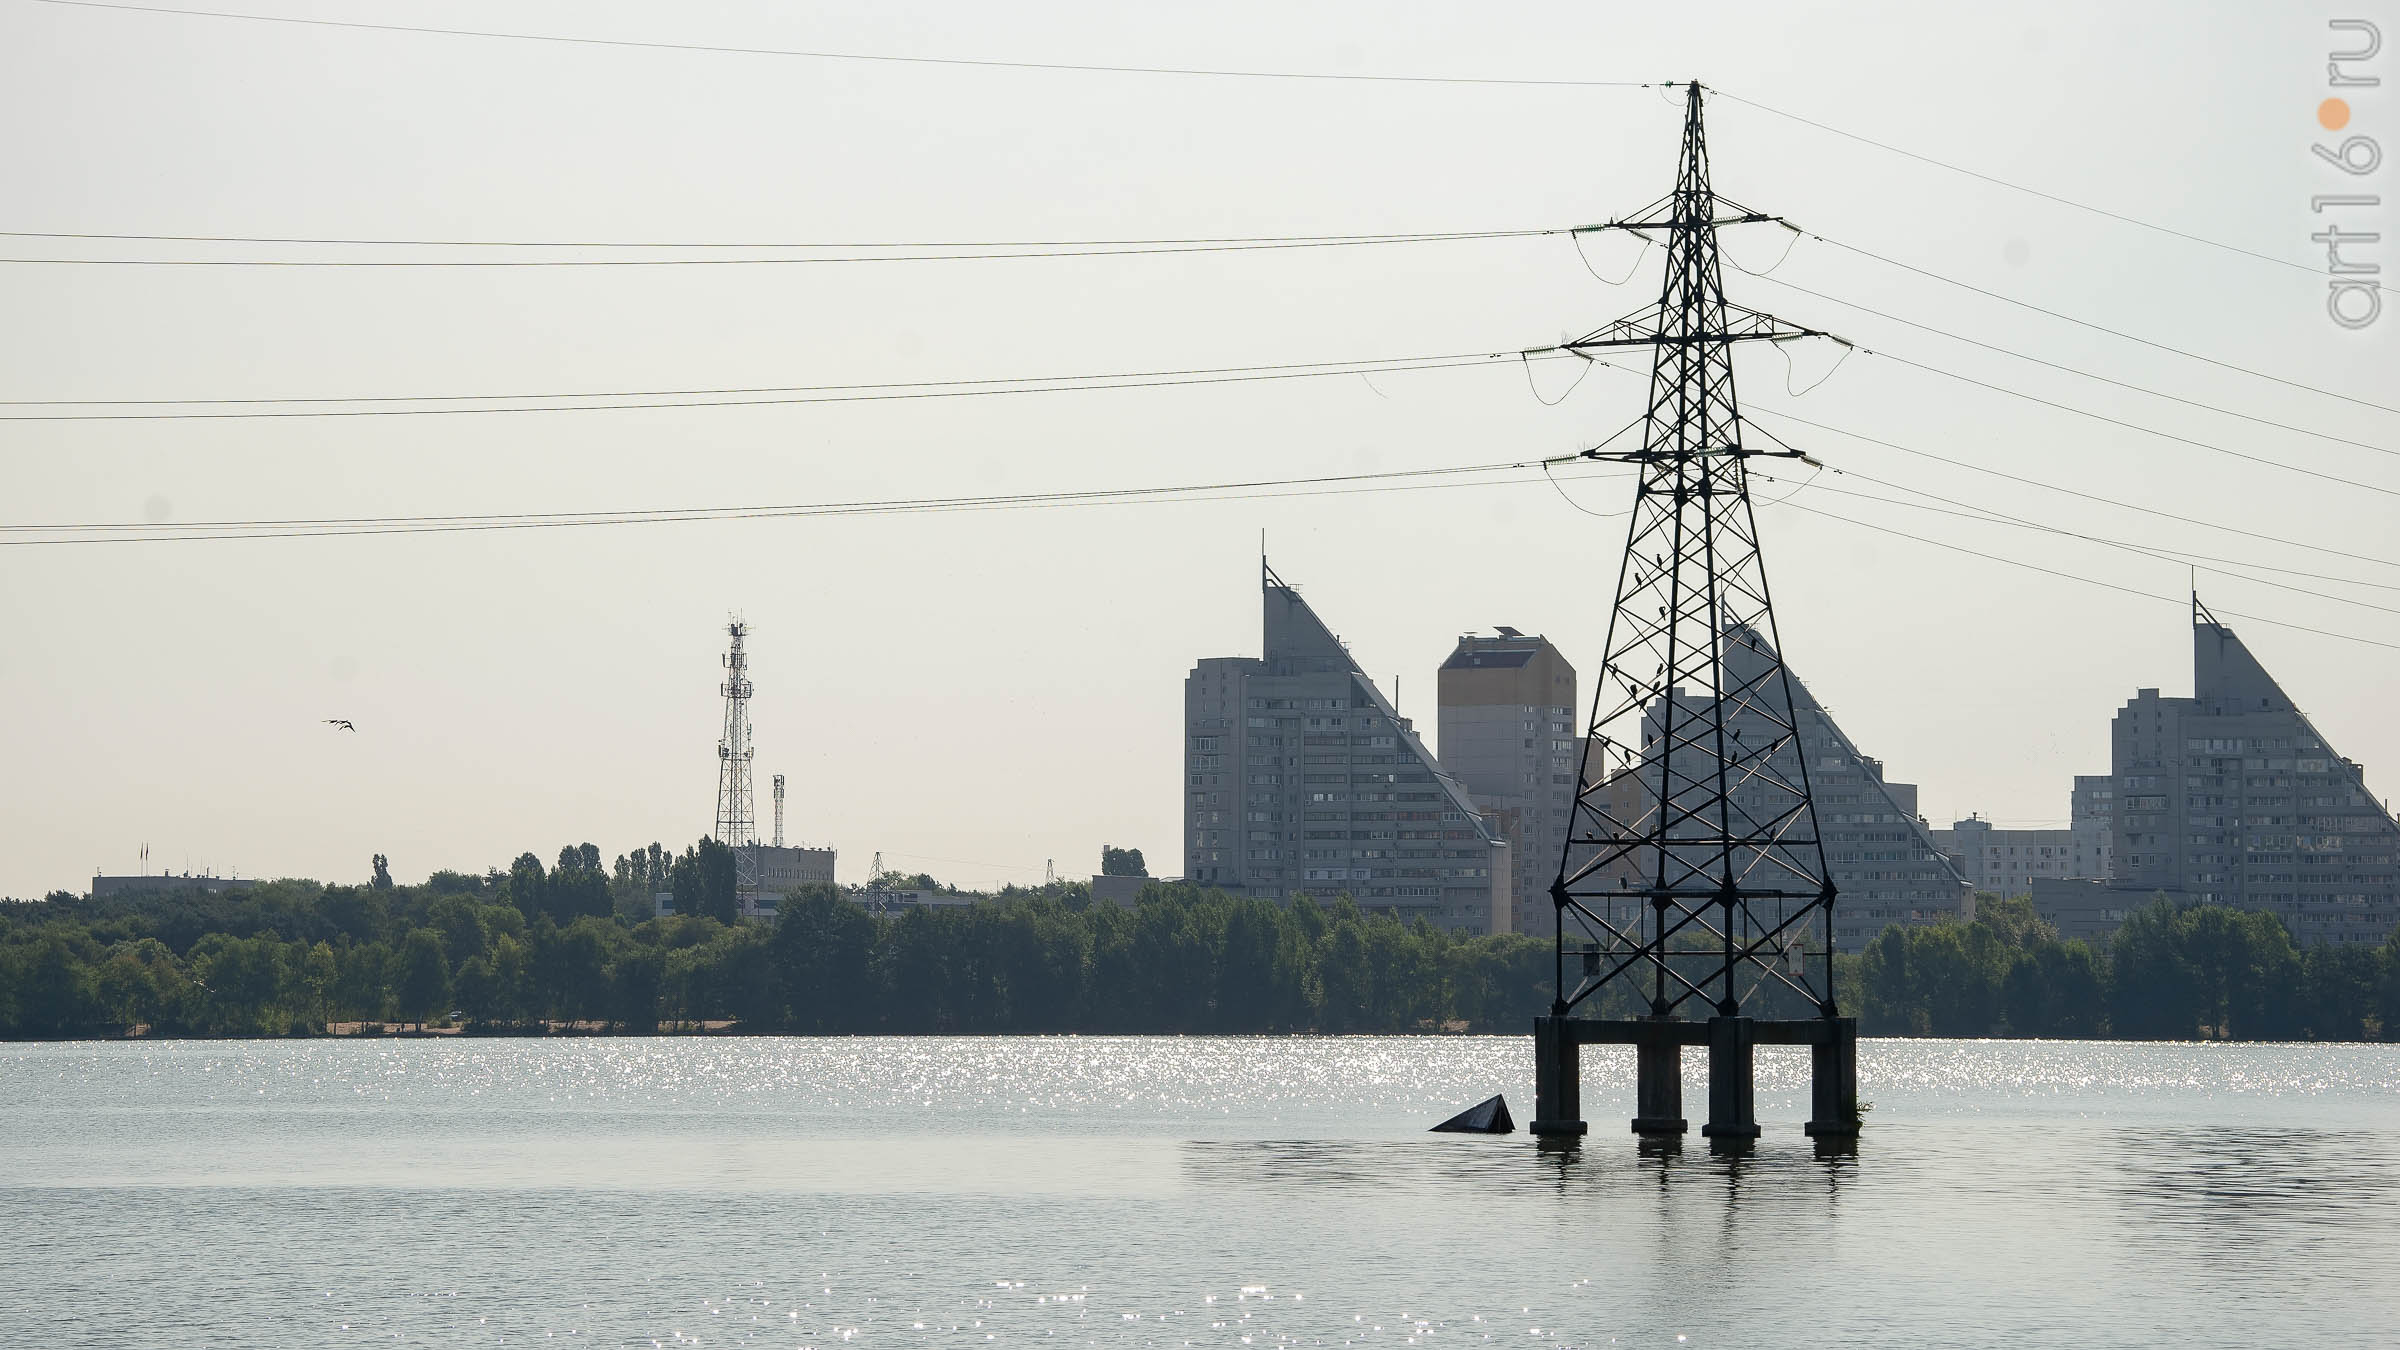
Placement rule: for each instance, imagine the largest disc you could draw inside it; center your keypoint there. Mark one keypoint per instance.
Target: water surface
(1174, 1191)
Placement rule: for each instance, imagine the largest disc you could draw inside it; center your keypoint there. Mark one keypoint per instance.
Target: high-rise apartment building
(1300, 778)
(1508, 734)
(2091, 826)
(2233, 797)
(1885, 867)
(2006, 862)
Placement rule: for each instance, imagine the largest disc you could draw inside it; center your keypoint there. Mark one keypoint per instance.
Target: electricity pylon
(1702, 875)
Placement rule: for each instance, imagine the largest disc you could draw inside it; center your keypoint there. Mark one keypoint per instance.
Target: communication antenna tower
(737, 811)
(779, 810)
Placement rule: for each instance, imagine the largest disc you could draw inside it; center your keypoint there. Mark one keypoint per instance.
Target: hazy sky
(975, 693)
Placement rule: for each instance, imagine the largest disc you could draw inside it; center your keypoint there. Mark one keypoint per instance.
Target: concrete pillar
(1658, 1082)
(1833, 1080)
(1557, 1079)
(1731, 1113)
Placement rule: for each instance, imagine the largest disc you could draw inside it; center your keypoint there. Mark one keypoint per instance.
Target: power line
(2068, 491)
(2228, 566)
(980, 63)
(2211, 446)
(2072, 370)
(1396, 480)
(1754, 412)
(2088, 581)
(757, 396)
(1371, 363)
(1361, 238)
(2223, 566)
(959, 253)
(1996, 181)
(2101, 328)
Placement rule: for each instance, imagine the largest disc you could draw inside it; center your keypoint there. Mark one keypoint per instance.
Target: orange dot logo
(2333, 114)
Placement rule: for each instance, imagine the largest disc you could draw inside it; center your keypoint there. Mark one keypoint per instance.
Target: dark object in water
(1489, 1116)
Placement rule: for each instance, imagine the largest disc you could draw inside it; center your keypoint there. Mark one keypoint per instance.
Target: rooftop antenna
(779, 810)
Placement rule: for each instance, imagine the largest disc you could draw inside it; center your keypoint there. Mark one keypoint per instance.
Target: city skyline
(1864, 910)
(519, 690)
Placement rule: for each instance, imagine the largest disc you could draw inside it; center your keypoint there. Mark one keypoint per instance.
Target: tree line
(536, 947)
(533, 948)
(2170, 973)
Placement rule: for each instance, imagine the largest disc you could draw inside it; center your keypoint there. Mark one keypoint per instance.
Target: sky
(977, 694)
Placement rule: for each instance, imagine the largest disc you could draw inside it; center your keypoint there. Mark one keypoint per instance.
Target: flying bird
(342, 722)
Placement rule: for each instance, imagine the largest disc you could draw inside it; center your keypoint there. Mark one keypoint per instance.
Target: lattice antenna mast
(737, 811)
(779, 810)
(1702, 875)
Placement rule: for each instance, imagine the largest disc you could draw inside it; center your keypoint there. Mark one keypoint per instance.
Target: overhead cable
(2063, 490)
(2101, 328)
(1455, 476)
(1997, 181)
(1092, 68)
(2077, 577)
(736, 397)
(2077, 371)
(954, 253)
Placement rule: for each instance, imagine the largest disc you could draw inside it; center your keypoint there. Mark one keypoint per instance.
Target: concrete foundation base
(1658, 1056)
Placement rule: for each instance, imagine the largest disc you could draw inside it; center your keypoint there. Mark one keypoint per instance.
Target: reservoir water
(1168, 1192)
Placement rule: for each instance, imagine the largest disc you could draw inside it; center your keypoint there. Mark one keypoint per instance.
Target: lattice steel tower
(737, 807)
(1693, 871)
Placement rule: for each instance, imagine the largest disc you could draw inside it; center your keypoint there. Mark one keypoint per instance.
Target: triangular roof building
(1882, 858)
(2234, 797)
(1301, 778)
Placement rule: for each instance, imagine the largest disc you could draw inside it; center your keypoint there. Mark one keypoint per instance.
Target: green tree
(2153, 992)
(319, 972)
(447, 882)
(527, 886)
(242, 978)
(2340, 982)
(511, 994)
(362, 981)
(634, 989)
(459, 920)
(56, 997)
(423, 988)
(2387, 994)
(1122, 862)
(822, 955)
(570, 967)
(357, 912)
(2056, 990)
(703, 881)
(125, 990)
(577, 888)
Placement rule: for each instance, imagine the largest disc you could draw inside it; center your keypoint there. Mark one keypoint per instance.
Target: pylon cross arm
(1653, 327)
(1669, 223)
